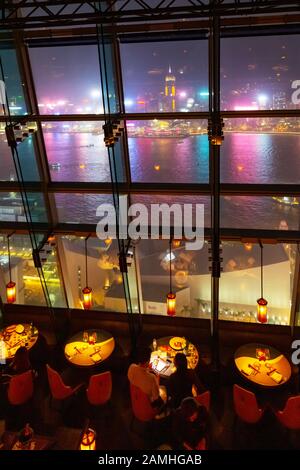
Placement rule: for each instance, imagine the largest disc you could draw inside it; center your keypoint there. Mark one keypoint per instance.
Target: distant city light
(182, 94)
(190, 100)
(128, 102)
(246, 108)
(262, 100)
(204, 93)
(95, 93)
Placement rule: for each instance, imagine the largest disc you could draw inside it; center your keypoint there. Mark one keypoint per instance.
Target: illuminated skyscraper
(170, 91)
(280, 100)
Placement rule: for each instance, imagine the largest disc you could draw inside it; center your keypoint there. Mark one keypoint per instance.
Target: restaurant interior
(180, 103)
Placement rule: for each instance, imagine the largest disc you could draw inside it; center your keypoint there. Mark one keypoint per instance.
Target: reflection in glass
(29, 290)
(12, 208)
(190, 278)
(13, 83)
(105, 278)
(240, 282)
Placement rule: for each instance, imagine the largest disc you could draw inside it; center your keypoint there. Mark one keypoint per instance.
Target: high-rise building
(170, 91)
(279, 100)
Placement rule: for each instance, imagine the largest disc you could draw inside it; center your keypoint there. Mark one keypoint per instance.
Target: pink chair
(99, 389)
(141, 405)
(59, 390)
(289, 417)
(245, 405)
(204, 399)
(20, 388)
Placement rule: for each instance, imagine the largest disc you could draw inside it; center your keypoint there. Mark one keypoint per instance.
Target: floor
(117, 431)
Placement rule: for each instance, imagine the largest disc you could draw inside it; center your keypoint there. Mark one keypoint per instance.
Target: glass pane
(67, 79)
(148, 199)
(165, 76)
(75, 208)
(168, 151)
(262, 151)
(23, 272)
(240, 281)
(190, 278)
(260, 212)
(26, 153)
(52, 273)
(12, 209)
(76, 151)
(13, 83)
(260, 73)
(104, 275)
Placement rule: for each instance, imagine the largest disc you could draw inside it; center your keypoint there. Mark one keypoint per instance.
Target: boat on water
(287, 200)
(55, 166)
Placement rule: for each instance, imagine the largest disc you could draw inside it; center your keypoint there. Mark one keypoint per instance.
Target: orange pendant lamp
(171, 297)
(88, 441)
(262, 310)
(87, 292)
(11, 293)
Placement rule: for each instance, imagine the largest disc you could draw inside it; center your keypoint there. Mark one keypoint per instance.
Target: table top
(262, 365)
(162, 360)
(83, 354)
(11, 340)
(10, 442)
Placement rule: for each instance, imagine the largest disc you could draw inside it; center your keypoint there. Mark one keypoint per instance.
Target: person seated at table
(181, 382)
(189, 425)
(20, 363)
(141, 376)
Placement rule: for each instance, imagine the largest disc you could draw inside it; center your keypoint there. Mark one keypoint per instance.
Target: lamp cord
(170, 260)
(86, 261)
(261, 271)
(9, 266)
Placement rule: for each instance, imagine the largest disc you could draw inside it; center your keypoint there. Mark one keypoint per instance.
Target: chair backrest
(99, 389)
(58, 389)
(201, 444)
(245, 405)
(290, 416)
(20, 388)
(204, 399)
(141, 405)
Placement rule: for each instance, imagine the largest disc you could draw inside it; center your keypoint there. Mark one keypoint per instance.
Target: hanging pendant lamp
(171, 297)
(87, 291)
(262, 315)
(11, 286)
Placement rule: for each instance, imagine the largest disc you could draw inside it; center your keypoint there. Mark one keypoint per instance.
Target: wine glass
(94, 337)
(85, 336)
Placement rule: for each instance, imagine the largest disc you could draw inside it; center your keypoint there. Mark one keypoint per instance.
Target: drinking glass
(94, 337)
(85, 336)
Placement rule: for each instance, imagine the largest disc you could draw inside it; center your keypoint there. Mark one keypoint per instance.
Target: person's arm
(197, 382)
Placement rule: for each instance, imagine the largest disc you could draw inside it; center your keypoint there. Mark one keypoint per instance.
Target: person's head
(180, 362)
(143, 354)
(21, 361)
(192, 411)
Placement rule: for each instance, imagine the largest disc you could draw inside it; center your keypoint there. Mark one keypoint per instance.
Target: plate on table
(20, 329)
(177, 343)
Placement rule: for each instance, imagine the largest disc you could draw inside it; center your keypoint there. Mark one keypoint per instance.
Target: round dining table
(262, 365)
(83, 350)
(165, 350)
(13, 337)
